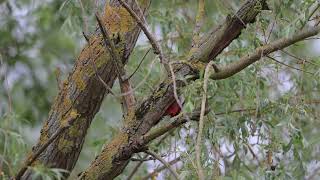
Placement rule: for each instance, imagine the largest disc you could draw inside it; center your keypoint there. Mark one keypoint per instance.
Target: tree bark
(82, 92)
(116, 154)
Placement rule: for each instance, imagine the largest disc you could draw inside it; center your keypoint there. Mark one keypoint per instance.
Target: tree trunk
(82, 93)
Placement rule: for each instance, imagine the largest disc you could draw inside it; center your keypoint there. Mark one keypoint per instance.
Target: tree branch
(201, 124)
(111, 48)
(199, 22)
(247, 60)
(154, 43)
(274, 59)
(174, 173)
(156, 171)
(143, 58)
(212, 44)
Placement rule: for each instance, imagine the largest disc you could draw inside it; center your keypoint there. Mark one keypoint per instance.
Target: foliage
(278, 115)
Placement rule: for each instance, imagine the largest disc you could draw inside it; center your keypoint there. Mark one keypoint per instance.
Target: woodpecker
(174, 109)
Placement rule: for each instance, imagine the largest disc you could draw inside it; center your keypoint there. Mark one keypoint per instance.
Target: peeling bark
(212, 44)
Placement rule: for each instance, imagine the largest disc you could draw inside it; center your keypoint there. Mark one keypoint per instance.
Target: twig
(156, 171)
(141, 82)
(112, 50)
(289, 65)
(202, 113)
(85, 36)
(175, 92)
(143, 58)
(35, 155)
(245, 61)
(153, 154)
(310, 15)
(101, 80)
(168, 127)
(145, 158)
(235, 111)
(135, 169)
(299, 58)
(156, 47)
(273, 23)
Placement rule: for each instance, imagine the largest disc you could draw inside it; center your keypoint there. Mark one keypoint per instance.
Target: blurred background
(264, 121)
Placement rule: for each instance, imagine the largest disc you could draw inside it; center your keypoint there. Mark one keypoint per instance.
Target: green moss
(75, 130)
(104, 162)
(65, 145)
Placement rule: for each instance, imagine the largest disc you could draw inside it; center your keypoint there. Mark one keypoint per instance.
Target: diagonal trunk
(82, 93)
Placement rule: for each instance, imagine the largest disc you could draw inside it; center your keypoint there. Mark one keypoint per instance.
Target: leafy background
(278, 106)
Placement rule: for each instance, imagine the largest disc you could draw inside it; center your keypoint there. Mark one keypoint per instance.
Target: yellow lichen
(198, 65)
(106, 156)
(66, 103)
(78, 78)
(74, 114)
(44, 133)
(65, 145)
(75, 130)
(118, 19)
(130, 117)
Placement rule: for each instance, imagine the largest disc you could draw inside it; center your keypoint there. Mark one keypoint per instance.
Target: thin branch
(175, 91)
(85, 36)
(310, 15)
(174, 173)
(235, 111)
(135, 169)
(299, 58)
(272, 27)
(181, 120)
(146, 158)
(199, 22)
(141, 82)
(156, 47)
(202, 113)
(289, 65)
(35, 155)
(156, 171)
(168, 127)
(102, 81)
(235, 67)
(112, 50)
(128, 100)
(143, 58)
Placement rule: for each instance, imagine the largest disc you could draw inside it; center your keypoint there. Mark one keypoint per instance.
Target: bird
(173, 110)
